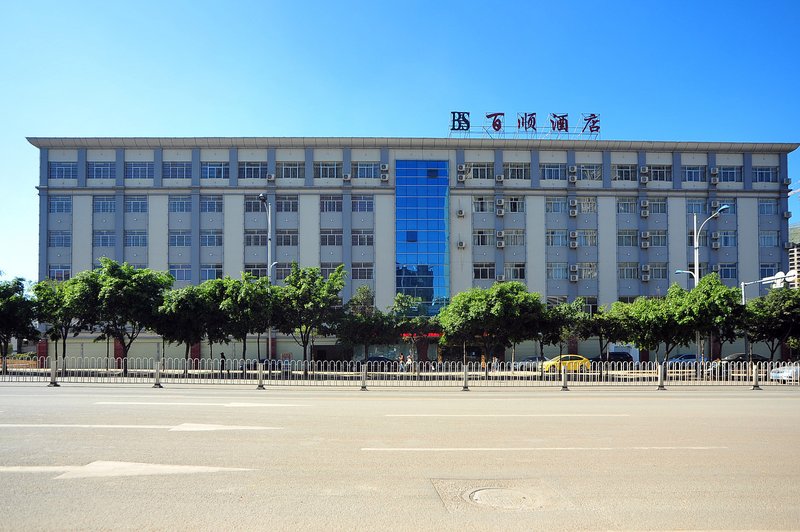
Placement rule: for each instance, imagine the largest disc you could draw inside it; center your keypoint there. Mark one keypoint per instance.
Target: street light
(687, 272)
(263, 199)
(697, 240)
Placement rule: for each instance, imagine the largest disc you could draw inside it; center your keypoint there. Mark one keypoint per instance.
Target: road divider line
(507, 415)
(528, 449)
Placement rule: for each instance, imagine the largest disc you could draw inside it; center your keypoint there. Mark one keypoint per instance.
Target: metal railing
(147, 370)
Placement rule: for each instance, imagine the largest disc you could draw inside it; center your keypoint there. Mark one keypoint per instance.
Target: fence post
(661, 371)
(564, 387)
(755, 377)
(465, 388)
(260, 370)
(364, 377)
(53, 371)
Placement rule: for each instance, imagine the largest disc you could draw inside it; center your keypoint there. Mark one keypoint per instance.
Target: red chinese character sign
(527, 127)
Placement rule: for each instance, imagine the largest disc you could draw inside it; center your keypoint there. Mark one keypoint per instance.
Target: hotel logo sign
(557, 125)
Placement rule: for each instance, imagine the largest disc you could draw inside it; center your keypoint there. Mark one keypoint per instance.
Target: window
(291, 170)
(256, 237)
(59, 272)
(253, 170)
(104, 204)
(103, 239)
(703, 238)
(211, 237)
(658, 238)
(765, 206)
(330, 237)
(767, 269)
(514, 271)
(727, 238)
(327, 170)
(327, 268)
(658, 270)
(626, 205)
(253, 204)
(286, 237)
(135, 203)
(180, 238)
(765, 174)
(101, 170)
(59, 204)
(363, 203)
(362, 270)
(330, 204)
(696, 206)
(658, 206)
(366, 170)
(59, 239)
(176, 170)
(623, 172)
(136, 239)
(258, 269)
(483, 270)
(556, 237)
(282, 270)
(180, 204)
(483, 237)
(587, 205)
(286, 203)
(181, 272)
(63, 170)
(363, 237)
(517, 170)
(210, 203)
(480, 170)
(660, 172)
(515, 204)
(482, 204)
(210, 271)
(731, 203)
(626, 299)
(553, 171)
(768, 239)
(587, 237)
(587, 270)
(215, 170)
(556, 271)
(515, 237)
(730, 174)
(695, 174)
(703, 267)
(627, 237)
(555, 205)
(139, 170)
(590, 305)
(728, 270)
(628, 270)
(590, 172)
(552, 301)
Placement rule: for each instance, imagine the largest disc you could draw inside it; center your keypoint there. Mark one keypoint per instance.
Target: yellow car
(571, 362)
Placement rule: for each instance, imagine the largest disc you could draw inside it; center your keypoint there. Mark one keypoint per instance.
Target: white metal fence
(385, 374)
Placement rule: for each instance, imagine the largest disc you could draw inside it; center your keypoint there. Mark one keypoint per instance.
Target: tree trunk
(63, 356)
(366, 353)
(186, 360)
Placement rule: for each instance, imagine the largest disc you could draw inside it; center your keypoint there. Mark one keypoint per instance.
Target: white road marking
(507, 415)
(117, 469)
(516, 449)
(185, 427)
(226, 405)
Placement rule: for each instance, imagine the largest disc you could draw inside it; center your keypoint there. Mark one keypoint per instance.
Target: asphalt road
(231, 457)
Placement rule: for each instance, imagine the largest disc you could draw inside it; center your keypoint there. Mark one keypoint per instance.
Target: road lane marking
(117, 469)
(526, 449)
(507, 415)
(226, 405)
(184, 427)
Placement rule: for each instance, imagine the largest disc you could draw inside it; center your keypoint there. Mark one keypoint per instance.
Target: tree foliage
(774, 318)
(363, 324)
(652, 321)
(183, 316)
(712, 308)
(17, 314)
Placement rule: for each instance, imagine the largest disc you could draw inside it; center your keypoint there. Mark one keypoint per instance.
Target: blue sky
(678, 70)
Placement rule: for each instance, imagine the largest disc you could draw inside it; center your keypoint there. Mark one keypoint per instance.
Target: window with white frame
(658, 205)
(586, 204)
(767, 269)
(330, 203)
(101, 170)
(623, 172)
(553, 301)
(703, 238)
(57, 204)
(590, 305)
(731, 203)
(181, 272)
(327, 268)
(180, 238)
(282, 270)
(211, 237)
(765, 206)
(135, 203)
(587, 270)
(556, 271)
(482, 204)
(253, 169)
(63, 170)
(103, 239)
(286, 203)
(210, 271)
(135, 238)
(553, 171)
(59, 272)
(256, 269)
(765, 174)
(628, 270)
(180, 204)
(210, 203)
(587, 237)
(330, 237)
(366, 170)
(483, 270)
(693, 174)
(590, 172)
(483, 237)
(363, 203)
(59, 239)
(768, 239)
(215, 170)
(703, 268)
(556, 237)
(660, 172)
(253, 204)
(480, 170)
(626, 205)
(327, 170)
(139, 170)
(555, 205)
(104, 204)
(515, 237)
(658, 270)
(727, 238)
(290, 170)
(730, 174)
(696, 206)
(515, 204)
(728, 270)
(517, 170)
(256, 237)
(287, 237)
(658, 238)
(176, 170)
(363, 237)
(514, 271)
(627, 237)
(363, 270)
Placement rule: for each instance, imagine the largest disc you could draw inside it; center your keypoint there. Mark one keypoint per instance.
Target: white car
(786, 374)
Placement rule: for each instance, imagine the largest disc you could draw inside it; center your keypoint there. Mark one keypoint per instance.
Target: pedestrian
(401, 362)
(221, 362)
(409, 362)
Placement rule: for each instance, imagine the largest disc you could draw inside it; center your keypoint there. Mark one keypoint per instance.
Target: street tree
(713, 309)
(182, 317)
(413, 324)
(774, 318)
(465, 318)
(216, 319)
(247, 306)
(17, 314)
(605, 325)
(363, 324)
(560, 323)
(516, 313)
(652, 321)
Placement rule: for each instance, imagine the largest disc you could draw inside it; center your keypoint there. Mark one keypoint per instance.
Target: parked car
(276, 364)
(571, 362)
(719, 368)
(613, 356)
(685, 358)
(530, 363)
(788, 374)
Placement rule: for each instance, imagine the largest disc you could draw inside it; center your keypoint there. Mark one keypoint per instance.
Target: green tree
(17, 313)
(216, 319)
(307, 302)
(516, 314)
(652, 321)
(561, 322)
(412, 323)
(605, 325)
(713, 309)
(465, 318)
(182, 317)
(247, 306)
(774, 318)
(363, 324)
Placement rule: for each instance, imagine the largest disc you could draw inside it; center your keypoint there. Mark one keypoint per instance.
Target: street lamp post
(263, 199)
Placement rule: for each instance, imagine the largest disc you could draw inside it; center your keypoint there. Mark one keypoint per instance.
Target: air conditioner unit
(460, 213)
(573, 234)
(573, 212)
(573, 169)
(644, 245)
(270, 177)
(715, 235)
(715, 245)
(573, 267)
(644, 179)
(787, 215)
(499, 178)
(644, 169)
(346, 177)
(645, 278)
(573, 179)
(714, 170)
(787, 181)
(645, 267)
(501, 212)
(715, 180)
(500, 202)
(500, 278)
(500, 234)
(573, 245)
(644, 204)
(645, 213)
(462, 167)
(573, 278)
(385, 177)
(461, 244)
(715, 205)
(715, 268)
(573, 203)
(500, 244)
(384, 167)
(461, 178)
